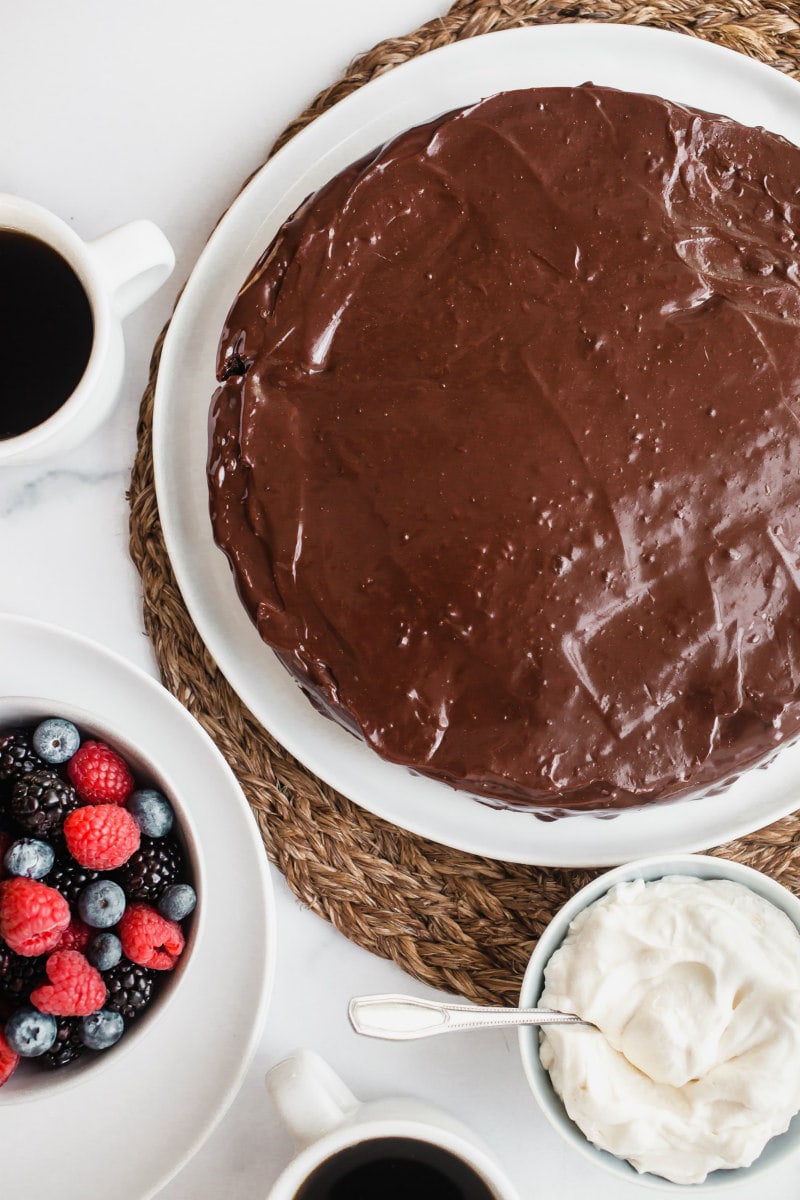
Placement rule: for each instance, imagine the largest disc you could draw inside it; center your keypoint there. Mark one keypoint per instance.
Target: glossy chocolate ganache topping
(506, 451)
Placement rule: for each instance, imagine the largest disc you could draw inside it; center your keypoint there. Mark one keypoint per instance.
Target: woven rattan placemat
(459, 922)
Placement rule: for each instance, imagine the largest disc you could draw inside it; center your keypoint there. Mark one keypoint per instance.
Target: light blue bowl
(778, 1149)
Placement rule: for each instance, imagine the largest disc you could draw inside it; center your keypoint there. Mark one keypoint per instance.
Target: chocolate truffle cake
(505, 455)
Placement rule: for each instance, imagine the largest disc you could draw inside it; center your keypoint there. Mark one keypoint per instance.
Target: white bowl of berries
(100, 872)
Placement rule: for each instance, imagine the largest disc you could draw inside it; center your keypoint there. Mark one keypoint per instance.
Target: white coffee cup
(118, 272)
(325, 1118)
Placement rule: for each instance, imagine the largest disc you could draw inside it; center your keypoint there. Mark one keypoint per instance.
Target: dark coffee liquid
(46, 332)
(393, 1169)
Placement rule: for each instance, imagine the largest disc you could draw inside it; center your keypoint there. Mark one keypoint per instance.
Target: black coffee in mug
(46, 332)
(393, 1169)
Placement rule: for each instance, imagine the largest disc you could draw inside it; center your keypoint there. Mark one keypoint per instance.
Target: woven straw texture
(459, 922)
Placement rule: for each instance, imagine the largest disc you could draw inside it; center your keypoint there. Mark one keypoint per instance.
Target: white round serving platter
(125, 1130)
(680, 68)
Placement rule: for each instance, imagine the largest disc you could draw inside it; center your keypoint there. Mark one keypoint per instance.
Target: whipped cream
(694, 986)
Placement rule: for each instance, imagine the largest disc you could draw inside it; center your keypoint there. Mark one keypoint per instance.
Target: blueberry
(104, 951)
(101, 903)
(55, 740)
(177, 901)
(30, 1033)
(152, 812)
(101, 1029)
(29, 857)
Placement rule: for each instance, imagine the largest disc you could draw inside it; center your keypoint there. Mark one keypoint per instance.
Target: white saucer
(638, 59)
(126, 1130)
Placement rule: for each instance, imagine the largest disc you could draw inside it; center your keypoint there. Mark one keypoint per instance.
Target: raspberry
(8, 1060)
(99, 775)
(101, 836)
(76, 936)
(150, 939)
(32, 916)
(75, 989)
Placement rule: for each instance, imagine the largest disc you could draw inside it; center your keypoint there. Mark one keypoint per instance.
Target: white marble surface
(114, 111)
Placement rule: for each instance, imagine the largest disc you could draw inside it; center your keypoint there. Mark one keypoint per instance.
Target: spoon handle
(401, 1018)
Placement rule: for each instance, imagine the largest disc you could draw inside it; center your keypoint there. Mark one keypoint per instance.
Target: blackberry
(19, 975)
(40, 801)
(17, 755)
(130, 988)
(6, 823)
(67, 1046)
(69, 877)
(151, 869)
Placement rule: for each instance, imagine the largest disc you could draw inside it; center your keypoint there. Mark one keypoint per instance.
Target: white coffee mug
(118, 272)
(325, 1118)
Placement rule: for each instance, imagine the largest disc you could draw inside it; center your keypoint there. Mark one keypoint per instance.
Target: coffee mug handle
(309, 1096)
(132, 261)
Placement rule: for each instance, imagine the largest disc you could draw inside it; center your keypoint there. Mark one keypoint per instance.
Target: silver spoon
(401, 1018)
